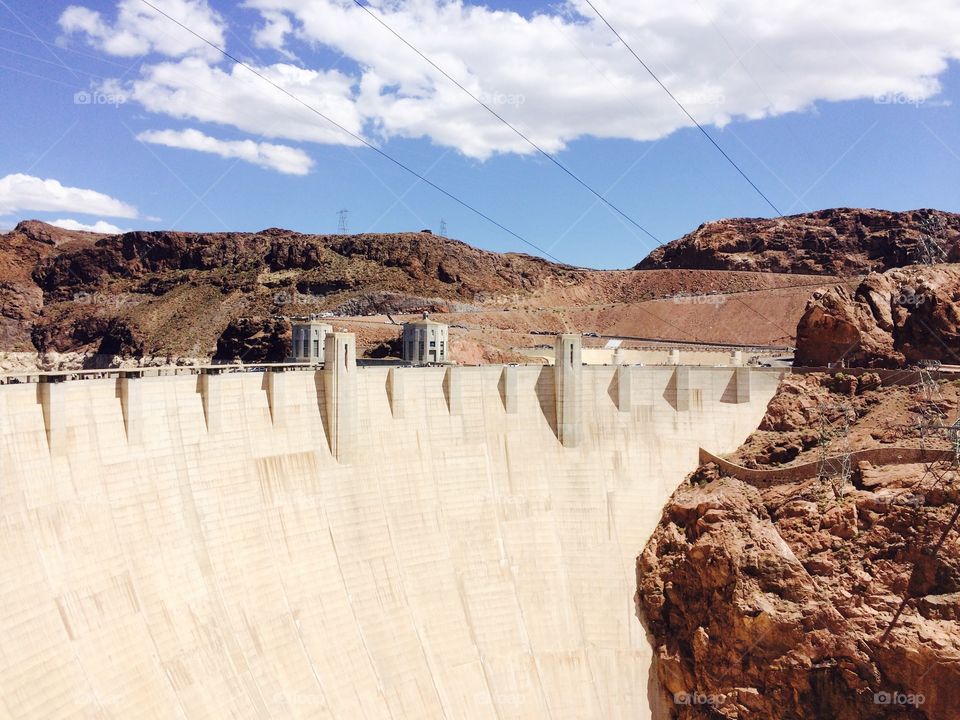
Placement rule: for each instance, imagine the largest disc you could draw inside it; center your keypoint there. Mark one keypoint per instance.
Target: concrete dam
(345, 542)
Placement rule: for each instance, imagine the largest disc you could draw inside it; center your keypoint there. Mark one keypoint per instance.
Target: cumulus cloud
(20, 192)
(193, 89)
(282, 158)
(560, 74)
(139, 30)
(276, 26)
(100, 226)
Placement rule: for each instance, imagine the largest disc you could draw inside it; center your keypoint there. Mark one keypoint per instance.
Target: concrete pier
(340, 393)
(569, 380)
(742, 378)
(510, 389)
(624, 380)
(681, 381)
(276, 387)
(52, 397)
(209, 386)
(395, 389)
(453, 390)
(129, 390)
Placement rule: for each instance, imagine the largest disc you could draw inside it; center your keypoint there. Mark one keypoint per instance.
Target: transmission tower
(930, 247)
(943, 471)
(933, 420)
(953, 431)
(835, 464)
(443, 227)
(931, 404)
(342, 221)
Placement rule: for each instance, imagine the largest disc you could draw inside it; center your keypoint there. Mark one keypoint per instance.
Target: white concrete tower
(340, 392)
(568, 369)
(425, 341)
(308, 339)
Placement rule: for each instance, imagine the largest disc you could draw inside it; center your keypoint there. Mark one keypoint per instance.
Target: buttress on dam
(344, 542)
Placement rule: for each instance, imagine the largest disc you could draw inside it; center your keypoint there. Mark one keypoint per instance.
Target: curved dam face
(343, 543)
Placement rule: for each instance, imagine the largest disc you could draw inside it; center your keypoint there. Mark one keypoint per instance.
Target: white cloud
(139, 29)
(282, 158)
(561, 74)
(276, 25)
(193, 89)
(20, 192)
(100, 226)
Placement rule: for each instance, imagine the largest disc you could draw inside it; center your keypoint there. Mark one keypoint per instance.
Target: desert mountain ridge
(177, 293)
(837, 241)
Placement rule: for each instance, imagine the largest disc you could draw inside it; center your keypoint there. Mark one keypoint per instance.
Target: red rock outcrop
(891, 319)
(785, 600)
(839, 241)
(254, 340)
(21, 299)
(328, 263)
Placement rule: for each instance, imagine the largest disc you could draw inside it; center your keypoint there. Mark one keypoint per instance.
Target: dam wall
(345, 542)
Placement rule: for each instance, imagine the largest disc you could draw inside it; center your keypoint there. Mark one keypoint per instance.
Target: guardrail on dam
(345, 542)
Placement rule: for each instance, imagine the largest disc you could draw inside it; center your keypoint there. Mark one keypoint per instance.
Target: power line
(358, 138)
(506, 122)
(685, 112)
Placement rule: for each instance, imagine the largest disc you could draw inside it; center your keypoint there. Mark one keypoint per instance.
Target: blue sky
(854, 129)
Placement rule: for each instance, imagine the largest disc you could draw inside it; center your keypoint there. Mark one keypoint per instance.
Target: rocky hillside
(828, 242)
(170, 296)
(807, 599)
(160, 292)
(890, 320)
